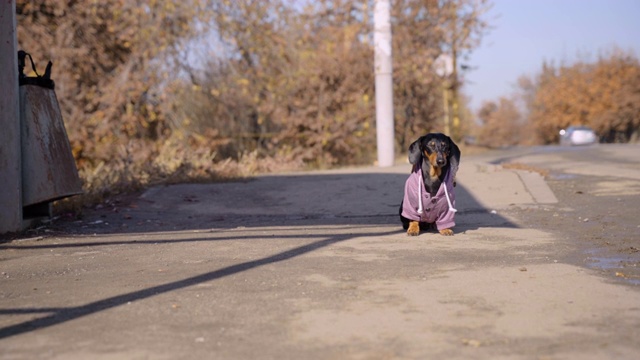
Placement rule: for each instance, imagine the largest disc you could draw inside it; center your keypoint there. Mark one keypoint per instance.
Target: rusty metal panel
(48, 169)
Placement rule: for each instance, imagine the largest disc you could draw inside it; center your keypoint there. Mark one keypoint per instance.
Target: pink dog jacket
(419, 205)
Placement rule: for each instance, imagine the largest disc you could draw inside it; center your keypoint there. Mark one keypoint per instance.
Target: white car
(578, 135)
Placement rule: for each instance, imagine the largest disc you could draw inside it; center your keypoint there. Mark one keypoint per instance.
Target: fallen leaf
(471, 342)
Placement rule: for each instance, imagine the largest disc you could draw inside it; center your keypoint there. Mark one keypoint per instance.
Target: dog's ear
(454, 152)
(415, 153)
(454, 157)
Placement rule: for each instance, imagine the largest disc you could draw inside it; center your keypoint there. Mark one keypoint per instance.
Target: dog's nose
(440, 161)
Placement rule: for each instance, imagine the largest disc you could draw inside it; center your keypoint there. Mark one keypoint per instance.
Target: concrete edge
(537, 187)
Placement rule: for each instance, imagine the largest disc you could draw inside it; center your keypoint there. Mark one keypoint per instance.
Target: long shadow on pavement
(61, 315)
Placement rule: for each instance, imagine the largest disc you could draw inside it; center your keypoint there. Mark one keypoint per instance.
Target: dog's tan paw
(446, 232)
(414, 228)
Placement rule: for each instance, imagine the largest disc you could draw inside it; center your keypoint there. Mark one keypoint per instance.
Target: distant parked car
(578, 135)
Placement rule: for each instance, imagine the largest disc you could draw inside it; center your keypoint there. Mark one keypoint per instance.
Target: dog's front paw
(414, 228)
(446, 232)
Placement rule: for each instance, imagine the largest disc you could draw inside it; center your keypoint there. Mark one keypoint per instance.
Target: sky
(525, 33)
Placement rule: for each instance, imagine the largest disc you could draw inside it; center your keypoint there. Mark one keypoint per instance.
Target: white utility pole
(384, 83)
(10, 153)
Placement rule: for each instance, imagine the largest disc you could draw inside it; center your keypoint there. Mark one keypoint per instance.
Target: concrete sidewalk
(311, 266)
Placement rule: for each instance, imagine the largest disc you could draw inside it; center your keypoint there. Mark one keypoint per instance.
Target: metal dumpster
(48, 169)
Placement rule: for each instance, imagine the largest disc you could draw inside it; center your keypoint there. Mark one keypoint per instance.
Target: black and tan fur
(436, 153)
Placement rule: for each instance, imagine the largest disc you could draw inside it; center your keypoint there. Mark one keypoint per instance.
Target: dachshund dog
(429, 196)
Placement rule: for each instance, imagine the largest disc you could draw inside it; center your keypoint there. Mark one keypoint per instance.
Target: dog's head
(438, 149)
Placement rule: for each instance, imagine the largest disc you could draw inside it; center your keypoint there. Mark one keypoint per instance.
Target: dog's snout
(440, 161)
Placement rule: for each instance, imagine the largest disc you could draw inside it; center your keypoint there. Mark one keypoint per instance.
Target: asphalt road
(317, 266)
(599, 211)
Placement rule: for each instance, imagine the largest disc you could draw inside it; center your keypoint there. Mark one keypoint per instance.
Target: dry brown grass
(173, 165)
(525, 167)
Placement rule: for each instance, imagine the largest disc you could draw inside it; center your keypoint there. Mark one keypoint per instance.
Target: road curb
(537, 187)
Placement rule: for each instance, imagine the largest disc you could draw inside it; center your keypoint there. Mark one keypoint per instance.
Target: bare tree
(603, 95)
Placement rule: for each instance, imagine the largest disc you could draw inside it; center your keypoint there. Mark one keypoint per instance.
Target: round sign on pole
(444, 65)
